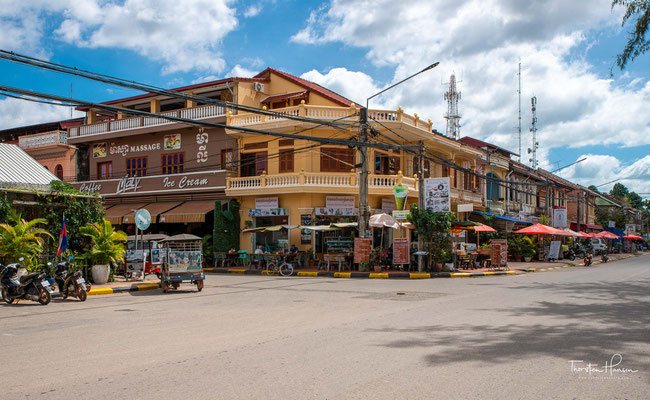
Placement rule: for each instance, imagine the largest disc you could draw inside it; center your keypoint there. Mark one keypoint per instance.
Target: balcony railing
(43, 139)
(328, 113)
(198, 113)
(470, 196)
(311, 179)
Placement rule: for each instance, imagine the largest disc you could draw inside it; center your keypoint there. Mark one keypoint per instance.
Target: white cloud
(600, 169)
(483, 42)
(183, 35)
(253, 11)
(240, 72)
(15, 113)
(356, 86)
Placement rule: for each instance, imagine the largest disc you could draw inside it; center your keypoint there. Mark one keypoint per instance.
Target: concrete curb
(368, 275)
(132, 288)
(595, 262)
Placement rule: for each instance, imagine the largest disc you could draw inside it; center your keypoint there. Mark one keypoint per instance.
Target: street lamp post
(364, 212)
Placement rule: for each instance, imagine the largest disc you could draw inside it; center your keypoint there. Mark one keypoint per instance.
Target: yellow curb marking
(511, 272)
(342, 274)
(460, 275)
(382, 275)
(100, 291)
(419, 275)
(307, 273)
(237, 271)
(488, 273)
(147, 286)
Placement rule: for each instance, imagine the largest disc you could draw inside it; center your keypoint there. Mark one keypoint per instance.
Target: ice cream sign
(400, 192)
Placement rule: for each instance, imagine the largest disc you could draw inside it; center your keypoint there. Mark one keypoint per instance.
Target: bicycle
(276, 266)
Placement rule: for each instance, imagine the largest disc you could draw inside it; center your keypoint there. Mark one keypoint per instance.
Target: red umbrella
(540, 229)
(483, 228)
(586, 235)
(633, 237)
(606, 235)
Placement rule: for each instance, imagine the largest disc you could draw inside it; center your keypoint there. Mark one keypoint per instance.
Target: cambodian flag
(63, 239)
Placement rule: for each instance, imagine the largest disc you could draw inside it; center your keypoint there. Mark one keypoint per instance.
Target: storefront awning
(190, 211)
(155, 209)
(503, 218)
(123, 213)
(273, 228)
(345, 224)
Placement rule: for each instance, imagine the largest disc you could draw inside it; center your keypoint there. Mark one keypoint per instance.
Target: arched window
(493, 188)
(59, 171)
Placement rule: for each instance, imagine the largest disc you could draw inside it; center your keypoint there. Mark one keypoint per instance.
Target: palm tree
(107, 243)
(23, 239)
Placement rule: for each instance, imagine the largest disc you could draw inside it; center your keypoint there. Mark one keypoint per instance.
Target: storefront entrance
(271, 241)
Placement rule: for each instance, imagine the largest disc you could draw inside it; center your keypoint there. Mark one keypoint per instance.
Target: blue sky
(356, 48)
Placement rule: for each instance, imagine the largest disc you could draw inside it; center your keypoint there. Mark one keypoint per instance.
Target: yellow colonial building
(285, 181)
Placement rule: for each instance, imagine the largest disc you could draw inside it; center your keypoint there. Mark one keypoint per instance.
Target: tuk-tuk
(146, 258)
(182, 257)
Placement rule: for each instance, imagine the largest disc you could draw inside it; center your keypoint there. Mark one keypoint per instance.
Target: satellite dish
(142, 219)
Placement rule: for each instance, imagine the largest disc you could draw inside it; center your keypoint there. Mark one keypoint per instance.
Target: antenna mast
(533, 129)
(519, 118)
(452, 116)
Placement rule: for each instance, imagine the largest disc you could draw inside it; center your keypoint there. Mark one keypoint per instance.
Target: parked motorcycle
(70, 283)
(579, 251)
(588, 259)
(603, 256)
(569, 255)
(32, 287)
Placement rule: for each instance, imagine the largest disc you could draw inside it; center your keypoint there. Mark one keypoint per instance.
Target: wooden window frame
(142, 169)
(286, 161)
(225, 164)
(330, 156)
(167, 169)
(109, 174)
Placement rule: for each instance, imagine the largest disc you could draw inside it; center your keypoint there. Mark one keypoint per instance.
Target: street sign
(142, 219)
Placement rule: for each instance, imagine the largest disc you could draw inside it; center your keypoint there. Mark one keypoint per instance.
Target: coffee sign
(149, 184)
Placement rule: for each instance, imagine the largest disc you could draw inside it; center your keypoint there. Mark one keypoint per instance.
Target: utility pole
(519, 118)
(364, 212)
(420, 199)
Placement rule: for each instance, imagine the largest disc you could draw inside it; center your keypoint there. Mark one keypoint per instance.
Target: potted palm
(528, 249)
(107, 246)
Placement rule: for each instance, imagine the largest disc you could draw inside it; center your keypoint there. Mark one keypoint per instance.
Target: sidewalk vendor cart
(182, 257)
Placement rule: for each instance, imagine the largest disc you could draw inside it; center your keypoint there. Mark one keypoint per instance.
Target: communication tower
(452, 115)
(533, 150)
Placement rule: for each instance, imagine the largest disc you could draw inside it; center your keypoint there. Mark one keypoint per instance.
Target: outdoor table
(340, 258)
(232, 259)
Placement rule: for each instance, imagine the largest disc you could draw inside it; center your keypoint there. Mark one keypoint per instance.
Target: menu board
(554, 251)
(361, 250)
(401, 251)
(305, 234)
(499, 252)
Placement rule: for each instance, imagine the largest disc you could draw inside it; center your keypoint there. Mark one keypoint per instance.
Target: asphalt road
(251, 337)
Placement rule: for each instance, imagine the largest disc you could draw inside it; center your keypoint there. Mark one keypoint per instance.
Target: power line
(35, 62)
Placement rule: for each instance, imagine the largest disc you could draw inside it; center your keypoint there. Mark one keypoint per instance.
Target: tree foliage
(619, 191)
(79, 211)
(637, 44)
(434, 228)
(226, 227)
(5, 207)
(22, 238)
(593, 188)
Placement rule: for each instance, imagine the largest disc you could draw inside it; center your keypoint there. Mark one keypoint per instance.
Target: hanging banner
(336, 211)
(401, 251)
(267, 202)
(436, 194)
(559, 218)
(339, 201)
(267, 212)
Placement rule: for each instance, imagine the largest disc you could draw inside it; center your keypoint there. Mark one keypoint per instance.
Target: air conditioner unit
(259, 87)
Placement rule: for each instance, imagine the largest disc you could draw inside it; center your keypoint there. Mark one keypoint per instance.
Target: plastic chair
(219, 258)
(244, 259)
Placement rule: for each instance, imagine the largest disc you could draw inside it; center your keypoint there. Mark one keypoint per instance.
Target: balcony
(33, 142)
(328, 114)
(144, 124)
(316, 182)
(466, 196)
